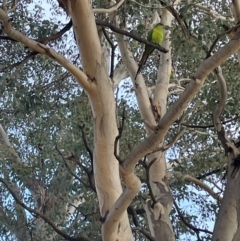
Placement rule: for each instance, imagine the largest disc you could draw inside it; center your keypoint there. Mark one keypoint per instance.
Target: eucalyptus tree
(88, 152)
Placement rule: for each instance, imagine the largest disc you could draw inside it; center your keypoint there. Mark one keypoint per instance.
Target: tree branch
(198, 183)
(20, 63)
(90, 153)
(81, 77)
(196, 230)
(112, 55)
(236, 8)
(14, 6)
(227, 32)
(176, 110)
(142, 230)
(207, 126)
(145, 233)
(228, 145)
(209, 173)
(178, 17)
(147, 167)
(109, 10)
(133, 185)
(45, 218)
(170, 144)
(208, 10)
(131, 35)
(139, 85)
(120, 130)
(45, 40)
(4, 3)
(69, 168)
(219, 108)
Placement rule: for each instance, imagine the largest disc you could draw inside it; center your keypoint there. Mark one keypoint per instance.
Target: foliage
(44, 112)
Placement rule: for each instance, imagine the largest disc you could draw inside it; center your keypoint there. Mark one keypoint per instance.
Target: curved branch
(133, 185)
(227, 144)
(57, 35)
(198, 183)
(151, 193)
(109, 10)
(219, 108)
(229, 32)
(140, 86)
(43, 49)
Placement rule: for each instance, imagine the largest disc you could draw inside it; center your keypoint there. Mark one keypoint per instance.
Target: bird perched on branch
(155, 35)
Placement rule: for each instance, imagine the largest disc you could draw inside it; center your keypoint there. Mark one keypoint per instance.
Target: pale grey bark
(227, 220)
(101, 96)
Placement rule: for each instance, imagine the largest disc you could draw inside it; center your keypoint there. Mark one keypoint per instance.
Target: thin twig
(147, 168)
(170, 144)
(113, 49)
(25, 60)
(178, 17)
(69, 169)
(209, 173)
(234, 28)
(133, 213)
(196, 230)
(45, 218)
(148, 182)
(89, 174)
(208, 126)
(57, 81)
(120, 130)
(45, 40)
(90, 153)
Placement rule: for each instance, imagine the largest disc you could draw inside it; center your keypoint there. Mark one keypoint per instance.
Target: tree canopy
(88, 152)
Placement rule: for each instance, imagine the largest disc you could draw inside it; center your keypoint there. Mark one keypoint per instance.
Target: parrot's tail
(141, 63)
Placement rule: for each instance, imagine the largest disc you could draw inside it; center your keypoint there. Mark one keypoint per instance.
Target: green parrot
(155, 35)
